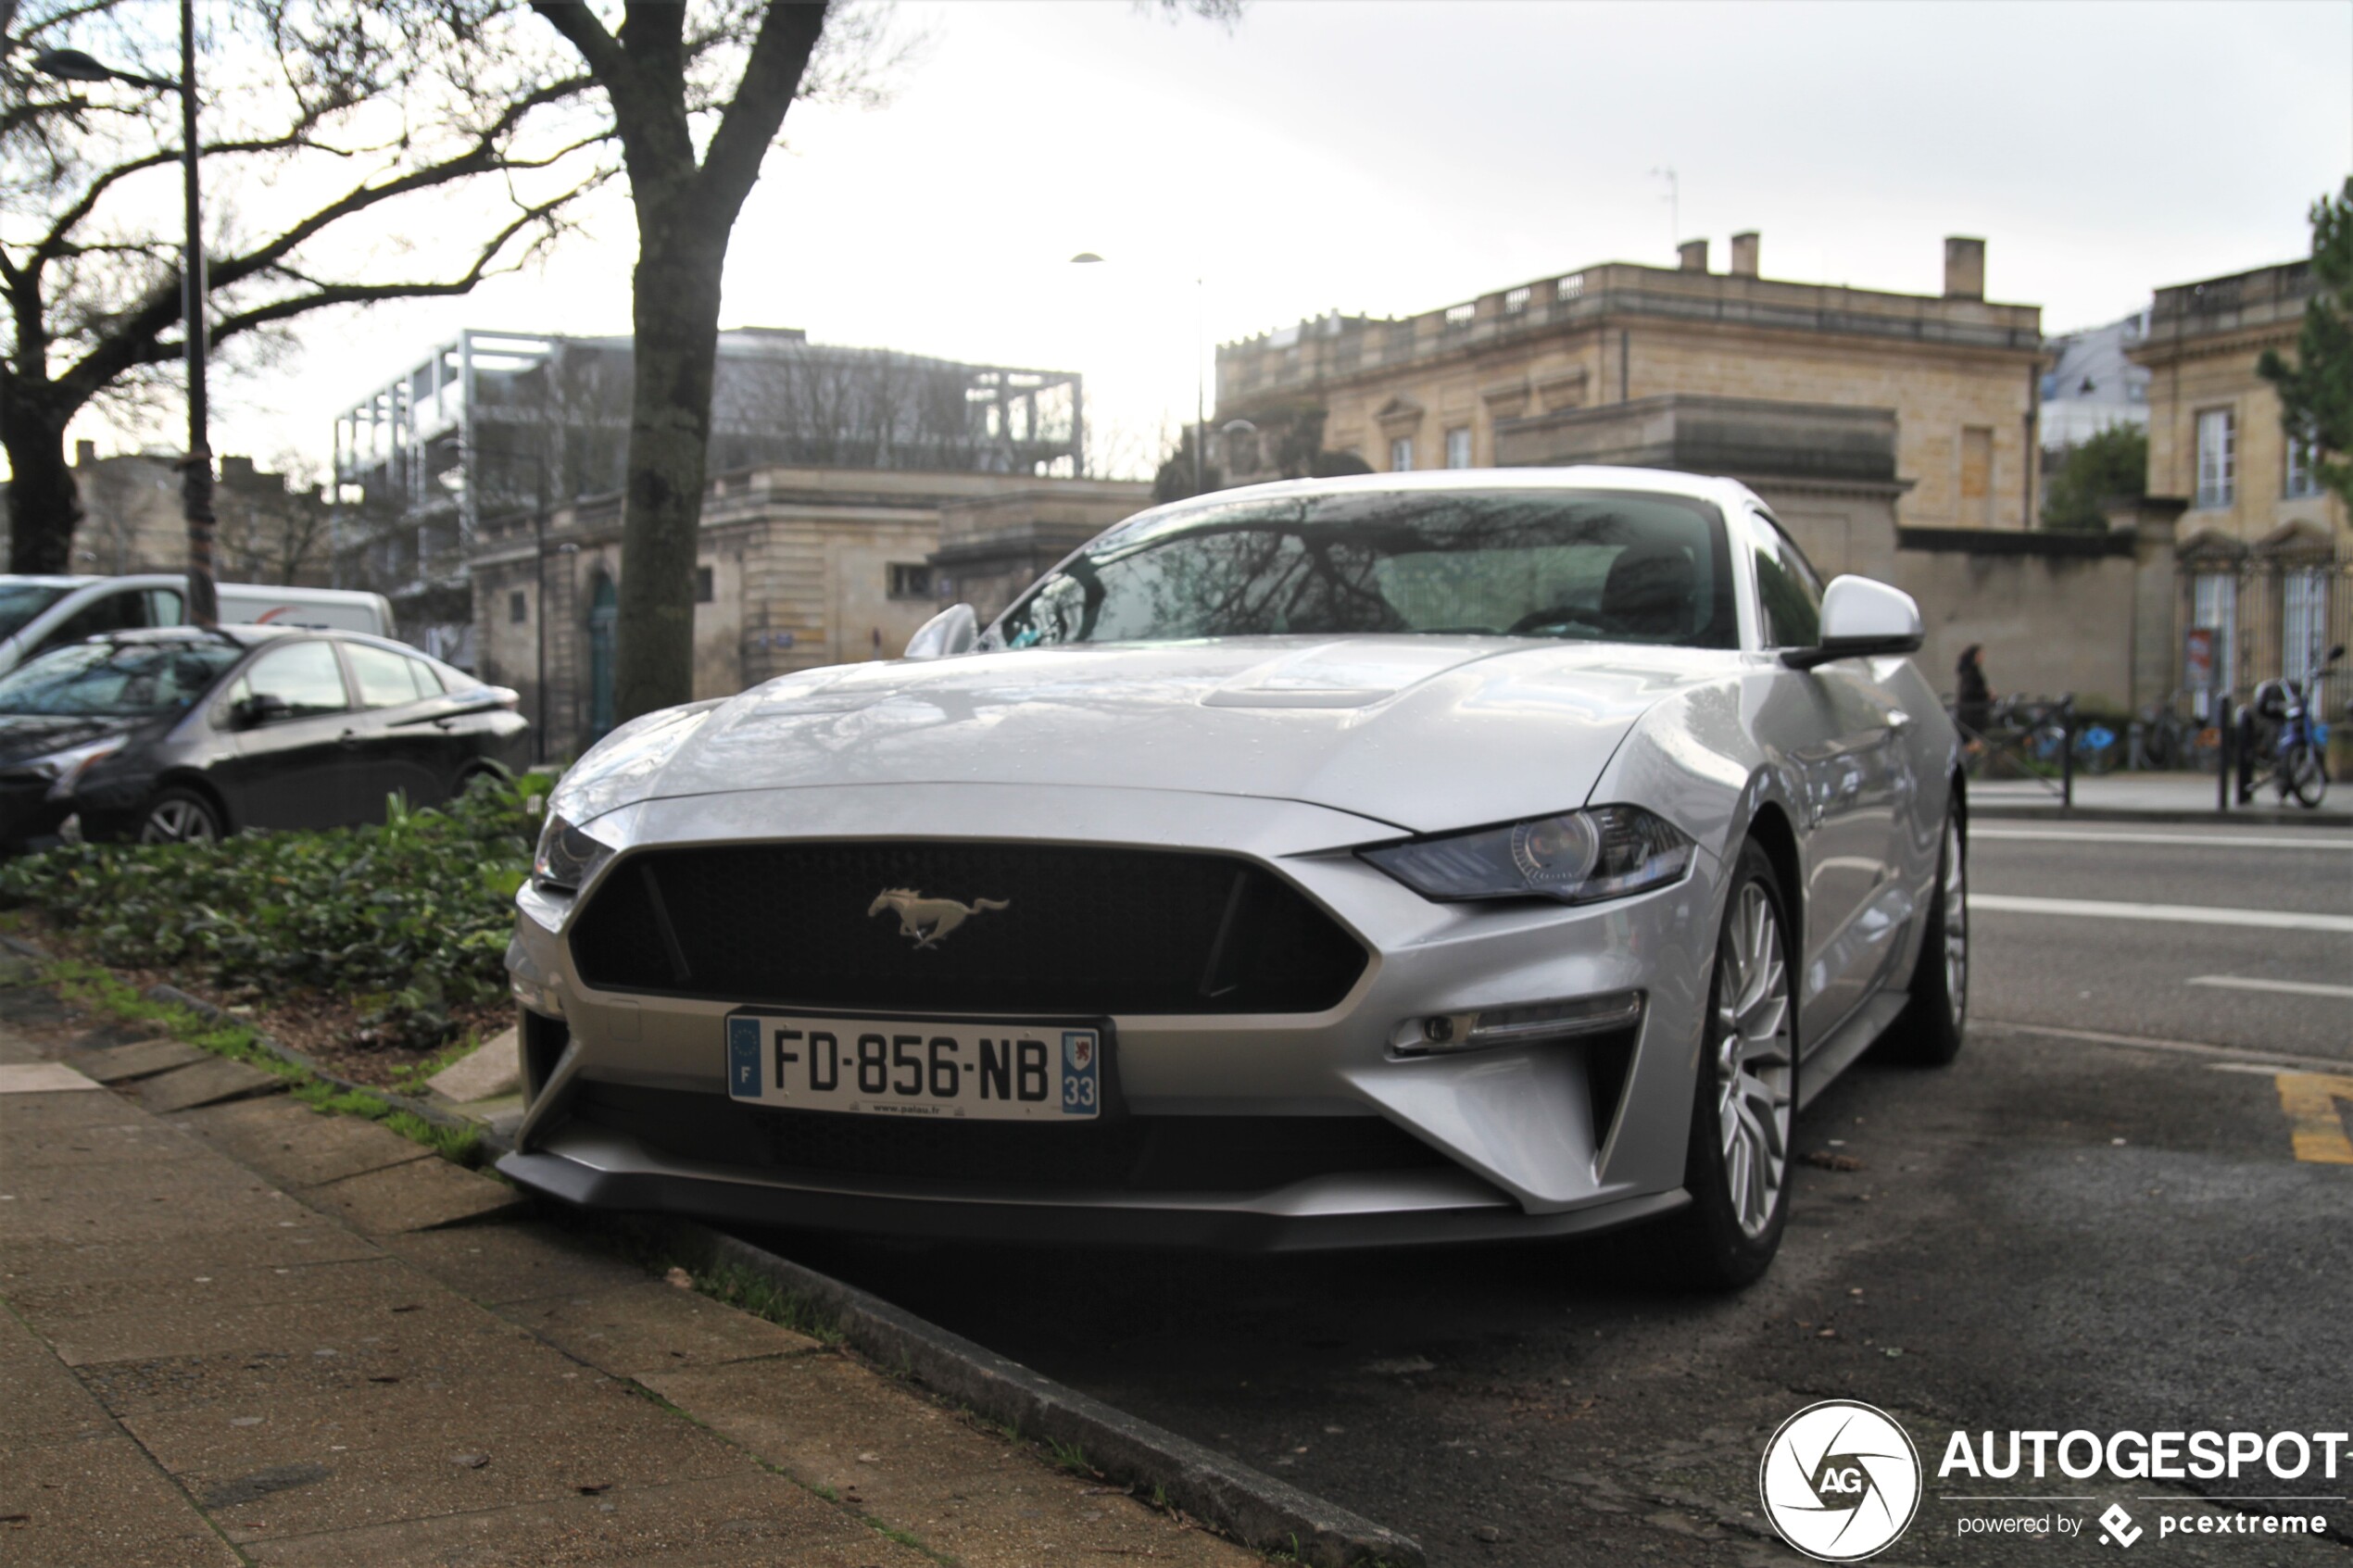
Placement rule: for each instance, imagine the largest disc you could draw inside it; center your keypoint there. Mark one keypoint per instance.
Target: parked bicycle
(2298, 749)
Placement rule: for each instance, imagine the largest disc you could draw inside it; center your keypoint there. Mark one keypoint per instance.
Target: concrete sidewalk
(238, 1331)
(2154, 798)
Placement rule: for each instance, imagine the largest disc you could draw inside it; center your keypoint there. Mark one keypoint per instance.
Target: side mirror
(952, 631)
(1861, 619)
(262, 707)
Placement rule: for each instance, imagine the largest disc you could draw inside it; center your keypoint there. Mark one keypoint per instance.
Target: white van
(41, 613)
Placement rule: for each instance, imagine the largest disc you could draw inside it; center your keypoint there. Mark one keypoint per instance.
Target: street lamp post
(196, 478)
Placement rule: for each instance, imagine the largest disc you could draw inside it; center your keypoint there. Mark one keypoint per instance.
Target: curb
(1252, 1507)
(2249, 816)
(423, 1111)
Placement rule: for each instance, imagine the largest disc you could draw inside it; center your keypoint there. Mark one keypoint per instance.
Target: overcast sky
(1393, 157)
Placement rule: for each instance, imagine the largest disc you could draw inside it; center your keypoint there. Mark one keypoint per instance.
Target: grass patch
(94, 988)
(746, 1291)
(1069, 1456)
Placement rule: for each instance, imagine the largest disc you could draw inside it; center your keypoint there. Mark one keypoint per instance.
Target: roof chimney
(1692, 253)
(1964, 267)
(1744, 254)
(84, 453)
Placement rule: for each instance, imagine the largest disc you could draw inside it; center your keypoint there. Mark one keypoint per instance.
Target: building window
(1977, 477)
(1401, 455)
(705, 588)
(910, 579)
(2214, 603)
(518, 607)
(2304, 622)
(1458, 447)
(2217, 457)
(1569, 288)
(1459, 316)
(2303, 468)
(1516, 301)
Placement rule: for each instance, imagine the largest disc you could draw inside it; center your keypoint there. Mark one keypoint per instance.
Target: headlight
(65, 769)
(568, 857)
(1577, 858)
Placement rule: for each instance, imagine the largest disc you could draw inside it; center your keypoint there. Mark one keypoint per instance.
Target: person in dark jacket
(1972, 699)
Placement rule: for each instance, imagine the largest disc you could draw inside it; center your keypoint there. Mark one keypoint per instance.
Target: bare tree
(666, 67)
(355, 117)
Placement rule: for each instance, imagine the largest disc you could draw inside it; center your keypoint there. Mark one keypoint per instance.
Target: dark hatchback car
(180, 733)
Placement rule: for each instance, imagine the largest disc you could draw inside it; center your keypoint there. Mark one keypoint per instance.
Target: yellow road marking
(2310, 1099)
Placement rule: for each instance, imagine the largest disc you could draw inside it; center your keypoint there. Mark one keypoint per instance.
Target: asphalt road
(2095, 1220)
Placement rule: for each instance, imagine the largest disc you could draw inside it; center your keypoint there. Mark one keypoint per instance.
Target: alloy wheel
(177, 822)
(1754, 1058)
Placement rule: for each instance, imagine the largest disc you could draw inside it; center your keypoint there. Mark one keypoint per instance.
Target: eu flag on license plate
(743, 1057)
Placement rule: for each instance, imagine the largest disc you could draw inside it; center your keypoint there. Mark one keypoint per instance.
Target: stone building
(267, 528)
(799, 567)
(1456, 387)
(2266, 553)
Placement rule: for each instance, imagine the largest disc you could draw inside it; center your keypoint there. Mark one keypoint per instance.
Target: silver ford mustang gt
(1396, 858)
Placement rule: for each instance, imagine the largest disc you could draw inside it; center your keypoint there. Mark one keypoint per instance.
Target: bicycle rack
(2026, 721)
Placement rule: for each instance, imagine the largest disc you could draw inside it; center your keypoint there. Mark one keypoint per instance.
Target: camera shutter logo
(1841, 1481)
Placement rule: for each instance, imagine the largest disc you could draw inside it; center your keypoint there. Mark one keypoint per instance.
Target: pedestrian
(1973, 700)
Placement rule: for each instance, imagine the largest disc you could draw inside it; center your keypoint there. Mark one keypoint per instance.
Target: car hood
(25, 736)
(1423, 733)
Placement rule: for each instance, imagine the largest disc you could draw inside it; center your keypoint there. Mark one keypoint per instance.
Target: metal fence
(2268, 616)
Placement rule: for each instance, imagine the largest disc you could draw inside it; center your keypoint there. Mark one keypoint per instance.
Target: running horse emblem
(930, 920)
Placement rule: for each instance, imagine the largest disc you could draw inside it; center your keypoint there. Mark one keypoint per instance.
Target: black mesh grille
(1129, 1153)
(1084, 931)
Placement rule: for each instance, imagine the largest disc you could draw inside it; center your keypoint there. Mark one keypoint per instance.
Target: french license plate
(883, 1067)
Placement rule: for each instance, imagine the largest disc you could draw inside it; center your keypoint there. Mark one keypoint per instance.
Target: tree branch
(788, 34)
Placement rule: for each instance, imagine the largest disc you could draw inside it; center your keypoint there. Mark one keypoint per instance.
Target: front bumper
(1519, 1145)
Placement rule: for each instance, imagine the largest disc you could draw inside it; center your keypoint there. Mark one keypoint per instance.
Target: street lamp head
(71, 65)
(1085, 256)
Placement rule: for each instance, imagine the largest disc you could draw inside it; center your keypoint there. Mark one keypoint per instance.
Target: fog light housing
(1450, 1034)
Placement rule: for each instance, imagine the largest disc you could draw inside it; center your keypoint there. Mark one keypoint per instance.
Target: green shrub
(407, 920)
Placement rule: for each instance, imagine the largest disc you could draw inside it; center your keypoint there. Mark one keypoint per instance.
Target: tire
(179, 815)
(1929, 1031)
(2305, 775)
(1745, 1101)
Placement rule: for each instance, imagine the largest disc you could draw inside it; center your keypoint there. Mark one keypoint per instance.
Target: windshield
(116, 680)
(1586, 565)
(20, 602)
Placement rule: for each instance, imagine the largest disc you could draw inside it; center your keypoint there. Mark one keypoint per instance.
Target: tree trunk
(45, 506)
(677, 315)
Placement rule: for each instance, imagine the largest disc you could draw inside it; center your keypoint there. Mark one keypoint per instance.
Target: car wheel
(1929, 1031)
(1737, 1169)
(179, 816)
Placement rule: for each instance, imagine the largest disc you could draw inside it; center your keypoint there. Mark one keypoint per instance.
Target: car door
(294, 769)
(1845, 743)
(404, 744)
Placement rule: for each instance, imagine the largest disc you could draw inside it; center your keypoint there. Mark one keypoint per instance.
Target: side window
(163, 607)
(304, 676)
(388, 679)
(108, 613)
(1788, 592)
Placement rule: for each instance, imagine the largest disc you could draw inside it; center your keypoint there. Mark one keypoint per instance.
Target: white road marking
(2290, 987)
(2205, 841)
(2253, 1060)
(2181, 914)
